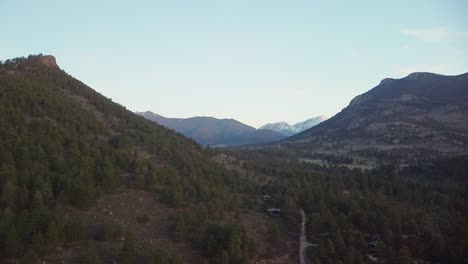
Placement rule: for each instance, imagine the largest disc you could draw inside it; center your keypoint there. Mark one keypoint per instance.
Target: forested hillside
(63, 144)
(385, 215)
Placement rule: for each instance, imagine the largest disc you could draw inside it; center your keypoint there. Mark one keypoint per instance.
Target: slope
(63, 144)
(423, 113)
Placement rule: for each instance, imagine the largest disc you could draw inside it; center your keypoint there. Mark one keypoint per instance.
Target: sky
(254, 61)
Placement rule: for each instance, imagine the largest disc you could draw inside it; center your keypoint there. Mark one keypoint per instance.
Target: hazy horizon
(258, 63)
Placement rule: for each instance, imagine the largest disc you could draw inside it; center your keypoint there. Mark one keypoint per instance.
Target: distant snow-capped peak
(289, 130)
(304, 125)
(277, 126)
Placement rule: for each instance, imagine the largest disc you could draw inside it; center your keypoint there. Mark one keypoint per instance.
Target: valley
(234, 132)
(84, 180)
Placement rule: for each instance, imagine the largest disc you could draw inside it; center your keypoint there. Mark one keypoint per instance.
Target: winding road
(303, 245)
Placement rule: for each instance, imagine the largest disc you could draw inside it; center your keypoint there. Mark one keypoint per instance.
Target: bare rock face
(49, 61)
(407, 98)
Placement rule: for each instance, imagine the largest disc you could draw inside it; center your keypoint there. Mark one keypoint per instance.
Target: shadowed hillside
(216, 132)
(423, 112)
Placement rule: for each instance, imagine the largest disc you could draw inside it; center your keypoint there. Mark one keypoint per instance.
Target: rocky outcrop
(49, 61)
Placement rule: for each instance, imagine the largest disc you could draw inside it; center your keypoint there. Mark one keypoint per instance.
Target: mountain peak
(420, 75)
(289, 130)
(386, 81)
(415, 84)
(148, 114)
(12, 65)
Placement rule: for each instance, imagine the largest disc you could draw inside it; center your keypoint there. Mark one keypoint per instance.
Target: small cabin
(273, 211)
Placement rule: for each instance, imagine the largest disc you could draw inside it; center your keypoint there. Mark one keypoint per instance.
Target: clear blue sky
(255, 61)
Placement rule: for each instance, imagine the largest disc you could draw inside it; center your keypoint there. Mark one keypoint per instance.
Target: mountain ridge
(213, 131)
(422, 110)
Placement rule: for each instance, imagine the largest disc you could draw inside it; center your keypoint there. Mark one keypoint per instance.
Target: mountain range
(424, 112)
(77, 168)
(289, 130)
(215, 132)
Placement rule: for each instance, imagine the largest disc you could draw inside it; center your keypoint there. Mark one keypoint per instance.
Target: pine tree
(37, 201)
(140, 178)
(12, 242)
(109, 177)
(128, 252)
(180, 229)
(167, 257)
(53, 232)
(6, 220)
(23, 198)
(273, 234)
(350, 255)
(39, 213)
(42, 184)
(212, 246)
(234, 247)
(92, 256)
(39, 243)
(330, 248)
(404, 255)
(224, 257)
(251, 247)
(75, 231)
(9, 195)
(323, 250)
(316, 261)
(30, 257)
(362, 242)
(339, 244)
